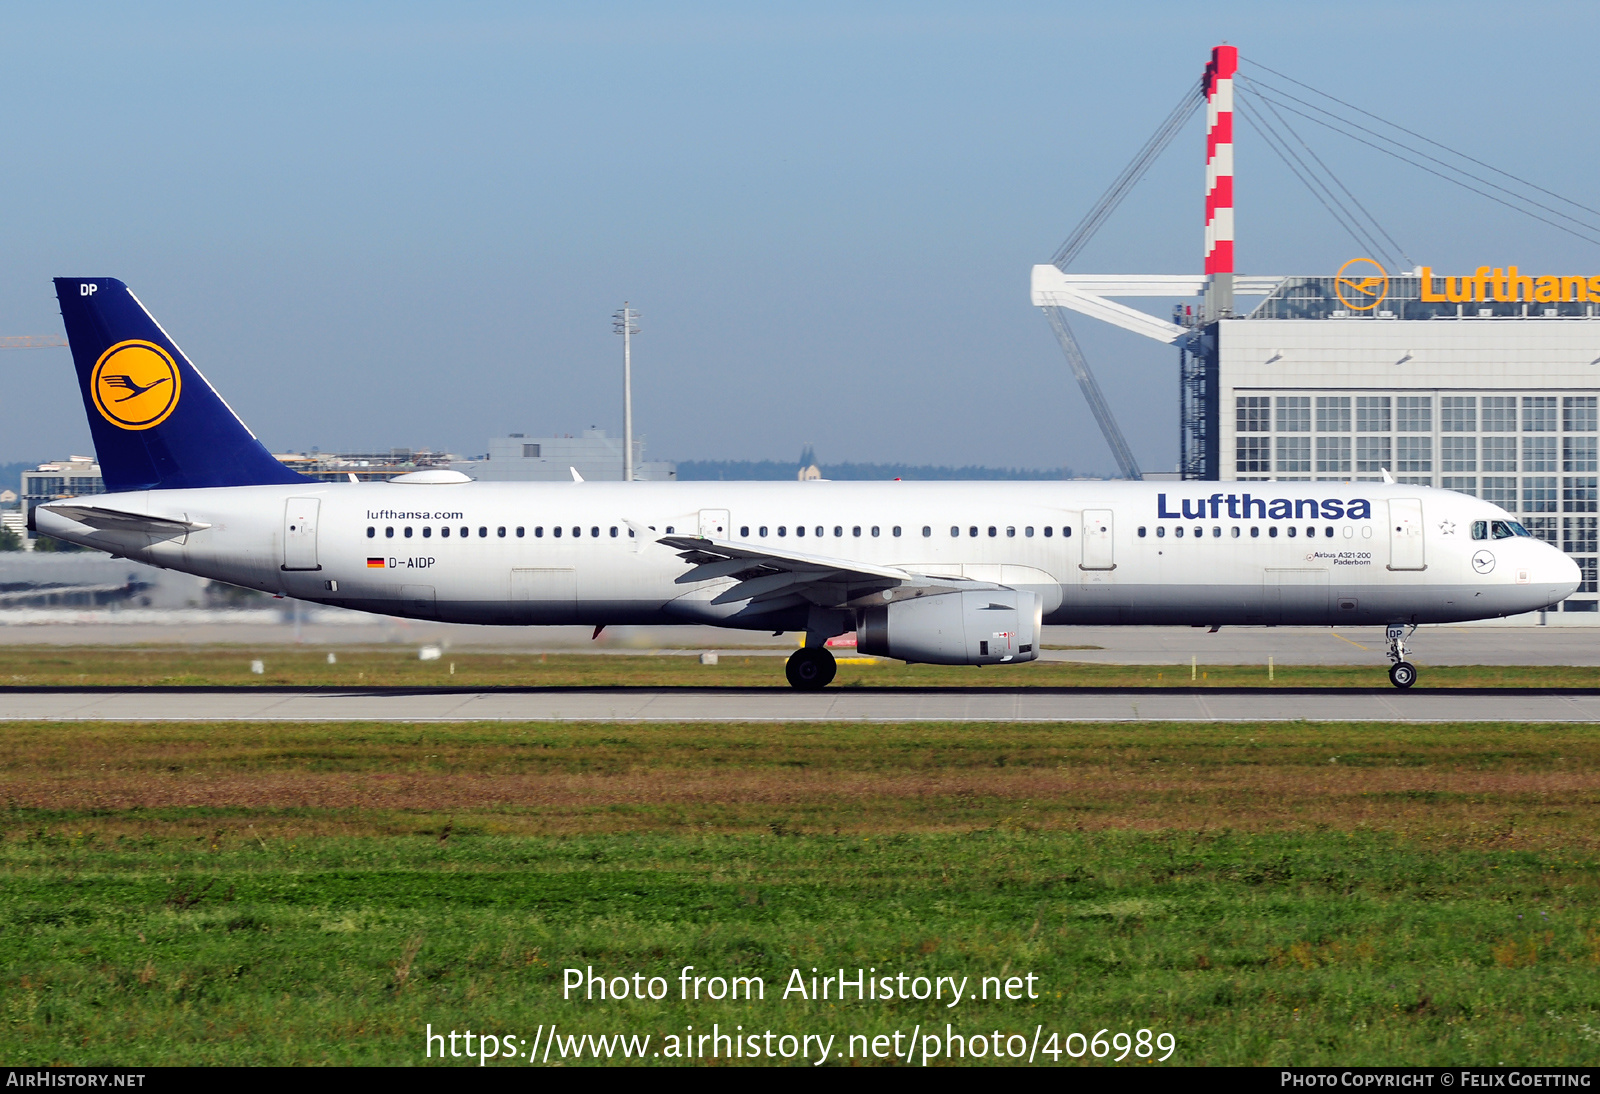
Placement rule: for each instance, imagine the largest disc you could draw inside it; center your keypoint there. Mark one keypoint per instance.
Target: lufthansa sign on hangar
(1484, 381)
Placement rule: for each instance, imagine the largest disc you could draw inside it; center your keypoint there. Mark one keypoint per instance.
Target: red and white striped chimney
(1219, 177)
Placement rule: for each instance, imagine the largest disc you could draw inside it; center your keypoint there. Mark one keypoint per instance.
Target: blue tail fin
(156, 422)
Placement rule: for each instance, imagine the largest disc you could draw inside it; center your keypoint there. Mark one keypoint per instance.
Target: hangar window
(1373, 414)
(1499, 414)
(1414, 413)
(427, 532)
(1333, 454)
(1413, 454)
(1499, 453)
(1579, 535)
(1294, 454)
(1579, 495)
(1141, 531)
(1372, 454)
(1578, 454)
(1538, 453)
(371, 531)
(1539, 414)
(1252, 414)
(1333, 413)
(1294, 414)
(1578, 414)
(408, 531)
(1458, 454)
(1458, 414)
(1252, 455)
(1539, 494)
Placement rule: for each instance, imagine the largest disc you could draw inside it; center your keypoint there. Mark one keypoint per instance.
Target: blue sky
(375, 225)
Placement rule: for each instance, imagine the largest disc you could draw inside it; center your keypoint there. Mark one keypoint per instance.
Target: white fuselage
(1094, 552)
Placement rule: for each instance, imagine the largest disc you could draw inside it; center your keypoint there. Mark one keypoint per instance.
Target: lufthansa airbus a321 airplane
(940, 573)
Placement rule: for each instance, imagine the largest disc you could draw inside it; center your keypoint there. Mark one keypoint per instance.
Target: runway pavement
(267, 704)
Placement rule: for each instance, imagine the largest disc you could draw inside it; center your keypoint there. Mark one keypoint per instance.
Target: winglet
(575, 476)
(1386, 476)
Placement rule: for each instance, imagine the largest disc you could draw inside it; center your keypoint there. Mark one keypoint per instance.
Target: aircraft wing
(764, 573)
(115, 520)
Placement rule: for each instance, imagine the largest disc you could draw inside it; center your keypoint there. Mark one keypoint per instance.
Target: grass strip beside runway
(1275, 894)
(392, 666)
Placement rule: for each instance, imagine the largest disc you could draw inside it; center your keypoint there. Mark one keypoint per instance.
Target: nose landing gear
(810, 668)
(1402, 674)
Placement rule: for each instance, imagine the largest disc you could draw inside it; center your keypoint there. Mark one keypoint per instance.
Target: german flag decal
(374, 563)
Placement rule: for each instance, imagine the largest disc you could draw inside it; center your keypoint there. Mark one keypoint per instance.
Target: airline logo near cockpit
(135, 385)
(1245, 507)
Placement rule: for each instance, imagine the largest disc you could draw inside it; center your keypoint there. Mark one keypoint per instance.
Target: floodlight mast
(626, 323)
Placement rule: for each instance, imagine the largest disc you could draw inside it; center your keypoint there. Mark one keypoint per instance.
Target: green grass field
(1269, 894)
(398, 666)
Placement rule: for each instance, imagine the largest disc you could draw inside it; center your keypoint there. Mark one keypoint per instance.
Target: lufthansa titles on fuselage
(1246, 507)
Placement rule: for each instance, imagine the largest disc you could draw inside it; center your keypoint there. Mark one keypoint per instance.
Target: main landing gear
(810, 668)
(1402, 674)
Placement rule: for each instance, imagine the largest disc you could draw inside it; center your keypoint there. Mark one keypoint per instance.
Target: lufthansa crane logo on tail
(1361, 284)
(135, 384)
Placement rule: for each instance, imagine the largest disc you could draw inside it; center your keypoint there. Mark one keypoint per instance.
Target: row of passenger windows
(483, 532)
(1291, 531)
(856, 530)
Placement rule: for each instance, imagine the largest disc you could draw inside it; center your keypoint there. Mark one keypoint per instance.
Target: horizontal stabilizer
(115, 520)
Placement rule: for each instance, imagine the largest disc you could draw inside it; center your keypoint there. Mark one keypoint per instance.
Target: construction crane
(1087, 227)
(32, 341)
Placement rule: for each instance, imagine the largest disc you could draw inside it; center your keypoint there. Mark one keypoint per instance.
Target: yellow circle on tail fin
(135, 385)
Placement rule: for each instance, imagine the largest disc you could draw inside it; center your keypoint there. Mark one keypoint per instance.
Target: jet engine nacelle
(983, 627)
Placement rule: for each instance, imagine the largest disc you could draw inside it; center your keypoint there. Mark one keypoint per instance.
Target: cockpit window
(1480, 529)
(1502, 530)
(1516, 527)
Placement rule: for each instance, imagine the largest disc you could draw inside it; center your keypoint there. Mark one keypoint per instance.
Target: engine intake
(982, 627)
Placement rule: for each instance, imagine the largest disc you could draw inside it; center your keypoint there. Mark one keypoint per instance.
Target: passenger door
(1098, 529)
(300, 534)
(1405, 535)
